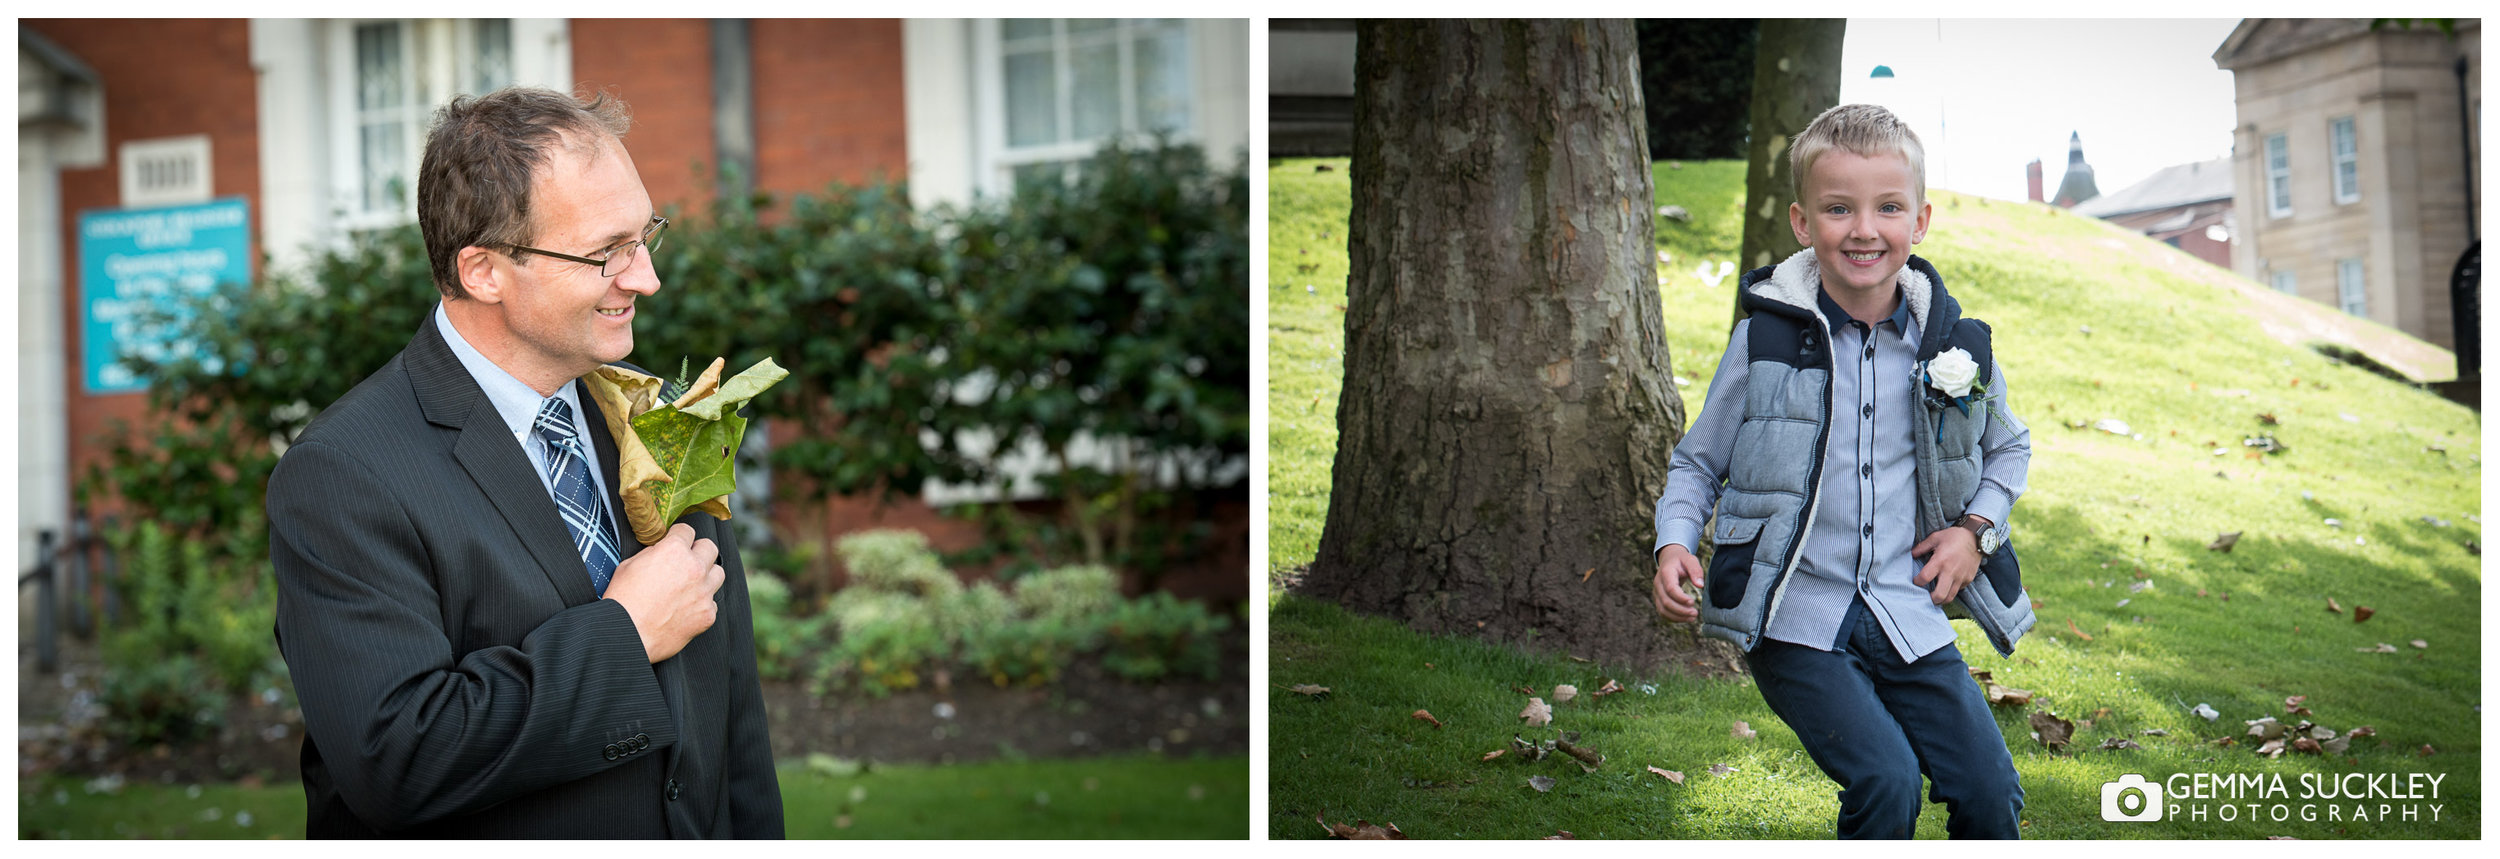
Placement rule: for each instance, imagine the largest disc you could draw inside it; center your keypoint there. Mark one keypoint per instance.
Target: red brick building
(314, 128)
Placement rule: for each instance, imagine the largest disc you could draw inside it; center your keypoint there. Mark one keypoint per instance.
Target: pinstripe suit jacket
(457, 676)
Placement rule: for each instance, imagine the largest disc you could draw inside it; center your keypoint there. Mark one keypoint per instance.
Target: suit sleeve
(754, 789)
(409, 734)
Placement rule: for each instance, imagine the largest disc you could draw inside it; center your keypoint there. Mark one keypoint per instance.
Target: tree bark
(1796, 76)
(1506, 420)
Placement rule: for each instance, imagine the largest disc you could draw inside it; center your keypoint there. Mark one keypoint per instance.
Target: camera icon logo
(2131, 791)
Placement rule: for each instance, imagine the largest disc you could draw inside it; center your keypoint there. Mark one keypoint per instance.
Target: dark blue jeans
(1875, 724)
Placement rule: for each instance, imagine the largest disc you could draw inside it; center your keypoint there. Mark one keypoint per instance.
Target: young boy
(1859, 456)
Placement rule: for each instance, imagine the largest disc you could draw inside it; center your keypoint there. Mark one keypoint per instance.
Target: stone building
(2353, 164)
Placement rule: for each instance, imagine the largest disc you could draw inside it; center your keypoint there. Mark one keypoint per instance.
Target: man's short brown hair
(1863, 130)
(482, 158)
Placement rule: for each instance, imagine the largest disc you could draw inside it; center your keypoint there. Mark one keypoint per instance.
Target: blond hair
(1863, 130)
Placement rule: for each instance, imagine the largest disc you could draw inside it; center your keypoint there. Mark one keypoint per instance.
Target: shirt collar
(514, 400)
(1900, 317)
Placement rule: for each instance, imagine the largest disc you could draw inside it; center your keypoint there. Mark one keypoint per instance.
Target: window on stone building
(2278, 175)
(2349, 291)
(1054, 89)
(388, 77)
(2347, 155)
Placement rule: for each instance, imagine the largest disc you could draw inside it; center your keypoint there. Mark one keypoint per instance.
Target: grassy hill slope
(2138, 618)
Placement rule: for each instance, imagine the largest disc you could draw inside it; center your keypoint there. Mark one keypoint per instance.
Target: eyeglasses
(617, 259)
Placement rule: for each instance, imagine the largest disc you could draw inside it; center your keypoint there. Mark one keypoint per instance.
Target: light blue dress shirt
(518, 404)
(1865, 523)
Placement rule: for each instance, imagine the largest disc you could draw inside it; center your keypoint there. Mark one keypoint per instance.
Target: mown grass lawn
(1126, 797)
(2139, 621)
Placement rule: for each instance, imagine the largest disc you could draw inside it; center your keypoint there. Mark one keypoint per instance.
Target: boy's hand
(1952, 561)
(1676, 568)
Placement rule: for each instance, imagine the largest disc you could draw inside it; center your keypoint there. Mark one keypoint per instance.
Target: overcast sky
(2144, 94)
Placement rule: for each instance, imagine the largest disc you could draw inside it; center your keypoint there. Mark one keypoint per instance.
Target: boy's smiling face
(1860, 214)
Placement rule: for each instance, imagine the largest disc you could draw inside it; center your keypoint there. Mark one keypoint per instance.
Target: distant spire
(2077, 186)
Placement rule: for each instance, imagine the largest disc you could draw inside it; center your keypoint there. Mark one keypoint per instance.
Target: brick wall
(828, 102)
(663, 70)
(160, 78)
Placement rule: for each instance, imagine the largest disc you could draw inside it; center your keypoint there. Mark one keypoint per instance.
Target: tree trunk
(1506, 419)
(1796, 76)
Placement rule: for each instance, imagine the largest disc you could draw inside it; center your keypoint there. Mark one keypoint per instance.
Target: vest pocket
(1731, 561)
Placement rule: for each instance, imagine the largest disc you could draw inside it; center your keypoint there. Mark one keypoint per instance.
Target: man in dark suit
(480, 646)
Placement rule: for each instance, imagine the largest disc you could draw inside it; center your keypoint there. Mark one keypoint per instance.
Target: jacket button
(1867, 470)
(611, 752)
(1867, 410)
(1870, 350)
(1868, 530)
(672, 790)
(642, 741)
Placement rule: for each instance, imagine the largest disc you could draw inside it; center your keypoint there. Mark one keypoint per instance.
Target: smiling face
(549, 320)
(1860, 214)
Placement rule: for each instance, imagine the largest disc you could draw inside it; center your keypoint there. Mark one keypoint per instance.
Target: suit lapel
(493, 459)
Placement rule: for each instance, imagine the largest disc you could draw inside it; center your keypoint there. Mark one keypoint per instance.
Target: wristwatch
(1988, 539)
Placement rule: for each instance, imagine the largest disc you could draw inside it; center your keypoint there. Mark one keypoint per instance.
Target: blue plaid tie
(575, 497)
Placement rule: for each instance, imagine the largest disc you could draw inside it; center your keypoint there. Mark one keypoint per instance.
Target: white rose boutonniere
(1952, 373)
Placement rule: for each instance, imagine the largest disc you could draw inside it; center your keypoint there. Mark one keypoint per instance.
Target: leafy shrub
(782, 637)
(196, 632)
(981, 606)
(1160, 634)
(1032, 651)
(896, 562)
(1075, 594)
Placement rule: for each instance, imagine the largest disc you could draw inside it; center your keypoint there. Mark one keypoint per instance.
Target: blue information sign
(132, 260)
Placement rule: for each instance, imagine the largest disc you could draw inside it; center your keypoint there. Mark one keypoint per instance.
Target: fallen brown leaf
(2419, 644)
(1565, 692)
(2118, 743)
(1741, 731)
(2332, 607)
(2225, 542)
(2305, 746)
(1523, 690)
(2426, 750)
(2154, 732)
(1670, 775)
(2077, 630)
(1610, 688)
(2272, 749)
(1537, 713)
(2292, 705)
(2362, 612)
(1492, 754)
(2363, 731)
(1541, 783)
(1362, 830)
(2007, 696)
(1722, 770)
(1584, 574)
(2052, 731)
(2227, 742)
(1427, 716)
(1307, 689)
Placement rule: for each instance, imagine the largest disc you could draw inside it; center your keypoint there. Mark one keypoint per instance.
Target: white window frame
(2352, 287)
(2287, 282)
(995, 161)
(2278, 189)
(2344, 151)
(438, 53)
(166, 171)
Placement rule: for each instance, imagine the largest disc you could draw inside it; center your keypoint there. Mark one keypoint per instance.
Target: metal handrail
(64, 566)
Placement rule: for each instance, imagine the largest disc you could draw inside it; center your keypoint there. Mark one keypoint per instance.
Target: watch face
(1988, 542)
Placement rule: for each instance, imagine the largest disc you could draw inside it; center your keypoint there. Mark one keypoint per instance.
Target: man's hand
(667, 589)
(1676, 568)
(1952, 561)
